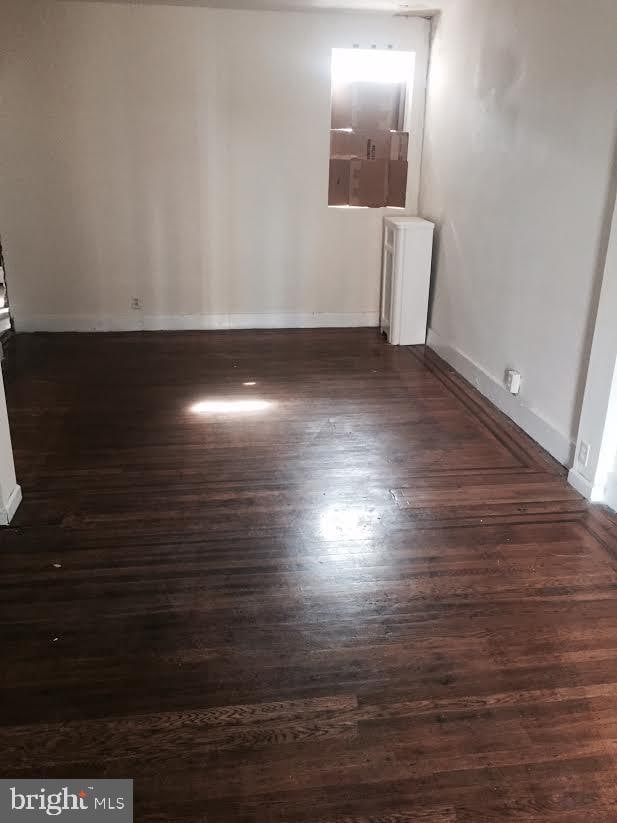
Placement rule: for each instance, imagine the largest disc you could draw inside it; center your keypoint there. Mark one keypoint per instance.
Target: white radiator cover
(405, 279)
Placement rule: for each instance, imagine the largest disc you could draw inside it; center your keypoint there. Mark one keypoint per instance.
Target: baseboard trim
(610, 494)
(555, 442)
(606, 493)
(7, 514)
(77, 322)
(580, 483)
(137, 321)
(261, 321)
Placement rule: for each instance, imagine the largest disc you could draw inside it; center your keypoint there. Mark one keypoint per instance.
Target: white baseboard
(136, 321)
(77, 322)
(580, 483)
(611, 491)
(607, 494)
(6, 514)
(262, 321)
(555, 442)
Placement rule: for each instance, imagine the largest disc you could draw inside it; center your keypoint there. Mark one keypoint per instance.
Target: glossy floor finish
(361, 597)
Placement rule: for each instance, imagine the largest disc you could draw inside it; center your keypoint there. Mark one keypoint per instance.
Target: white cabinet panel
(405, 279)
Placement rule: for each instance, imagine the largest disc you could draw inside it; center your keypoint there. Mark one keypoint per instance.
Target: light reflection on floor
(348, 523)
(230, 406)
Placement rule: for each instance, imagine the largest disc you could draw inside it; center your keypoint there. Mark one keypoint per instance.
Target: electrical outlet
(135, 303)
(512, 381)
(583, 453)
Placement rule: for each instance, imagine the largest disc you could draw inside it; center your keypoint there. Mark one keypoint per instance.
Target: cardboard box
(346, 144)
(368, 185)
(399, 145)
(372, 183)
(340, 107)
(338, 187)
(397, 183)
(368, 106)
(362, 145)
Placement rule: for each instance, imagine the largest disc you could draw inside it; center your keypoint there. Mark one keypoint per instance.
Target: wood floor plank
(373, 600)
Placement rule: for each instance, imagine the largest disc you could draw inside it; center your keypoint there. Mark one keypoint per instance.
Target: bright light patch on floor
(371, 66)
(230, 406)
(249, 383)
(347, 523)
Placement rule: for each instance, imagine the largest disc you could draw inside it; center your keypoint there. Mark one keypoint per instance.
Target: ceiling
(415, 7)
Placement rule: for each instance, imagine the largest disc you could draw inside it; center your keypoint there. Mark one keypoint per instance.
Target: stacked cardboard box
(368, 152)
(373, 106)
(368, 168)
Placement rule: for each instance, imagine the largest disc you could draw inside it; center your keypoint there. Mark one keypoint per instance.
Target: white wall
(596, 477)
(520, 134)
(180, 155)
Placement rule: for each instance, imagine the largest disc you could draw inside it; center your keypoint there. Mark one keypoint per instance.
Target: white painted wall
(519, 141)
(598, 424)
(180, 155)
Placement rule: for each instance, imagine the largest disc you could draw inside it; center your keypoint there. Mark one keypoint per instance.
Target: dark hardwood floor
(372, 601)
